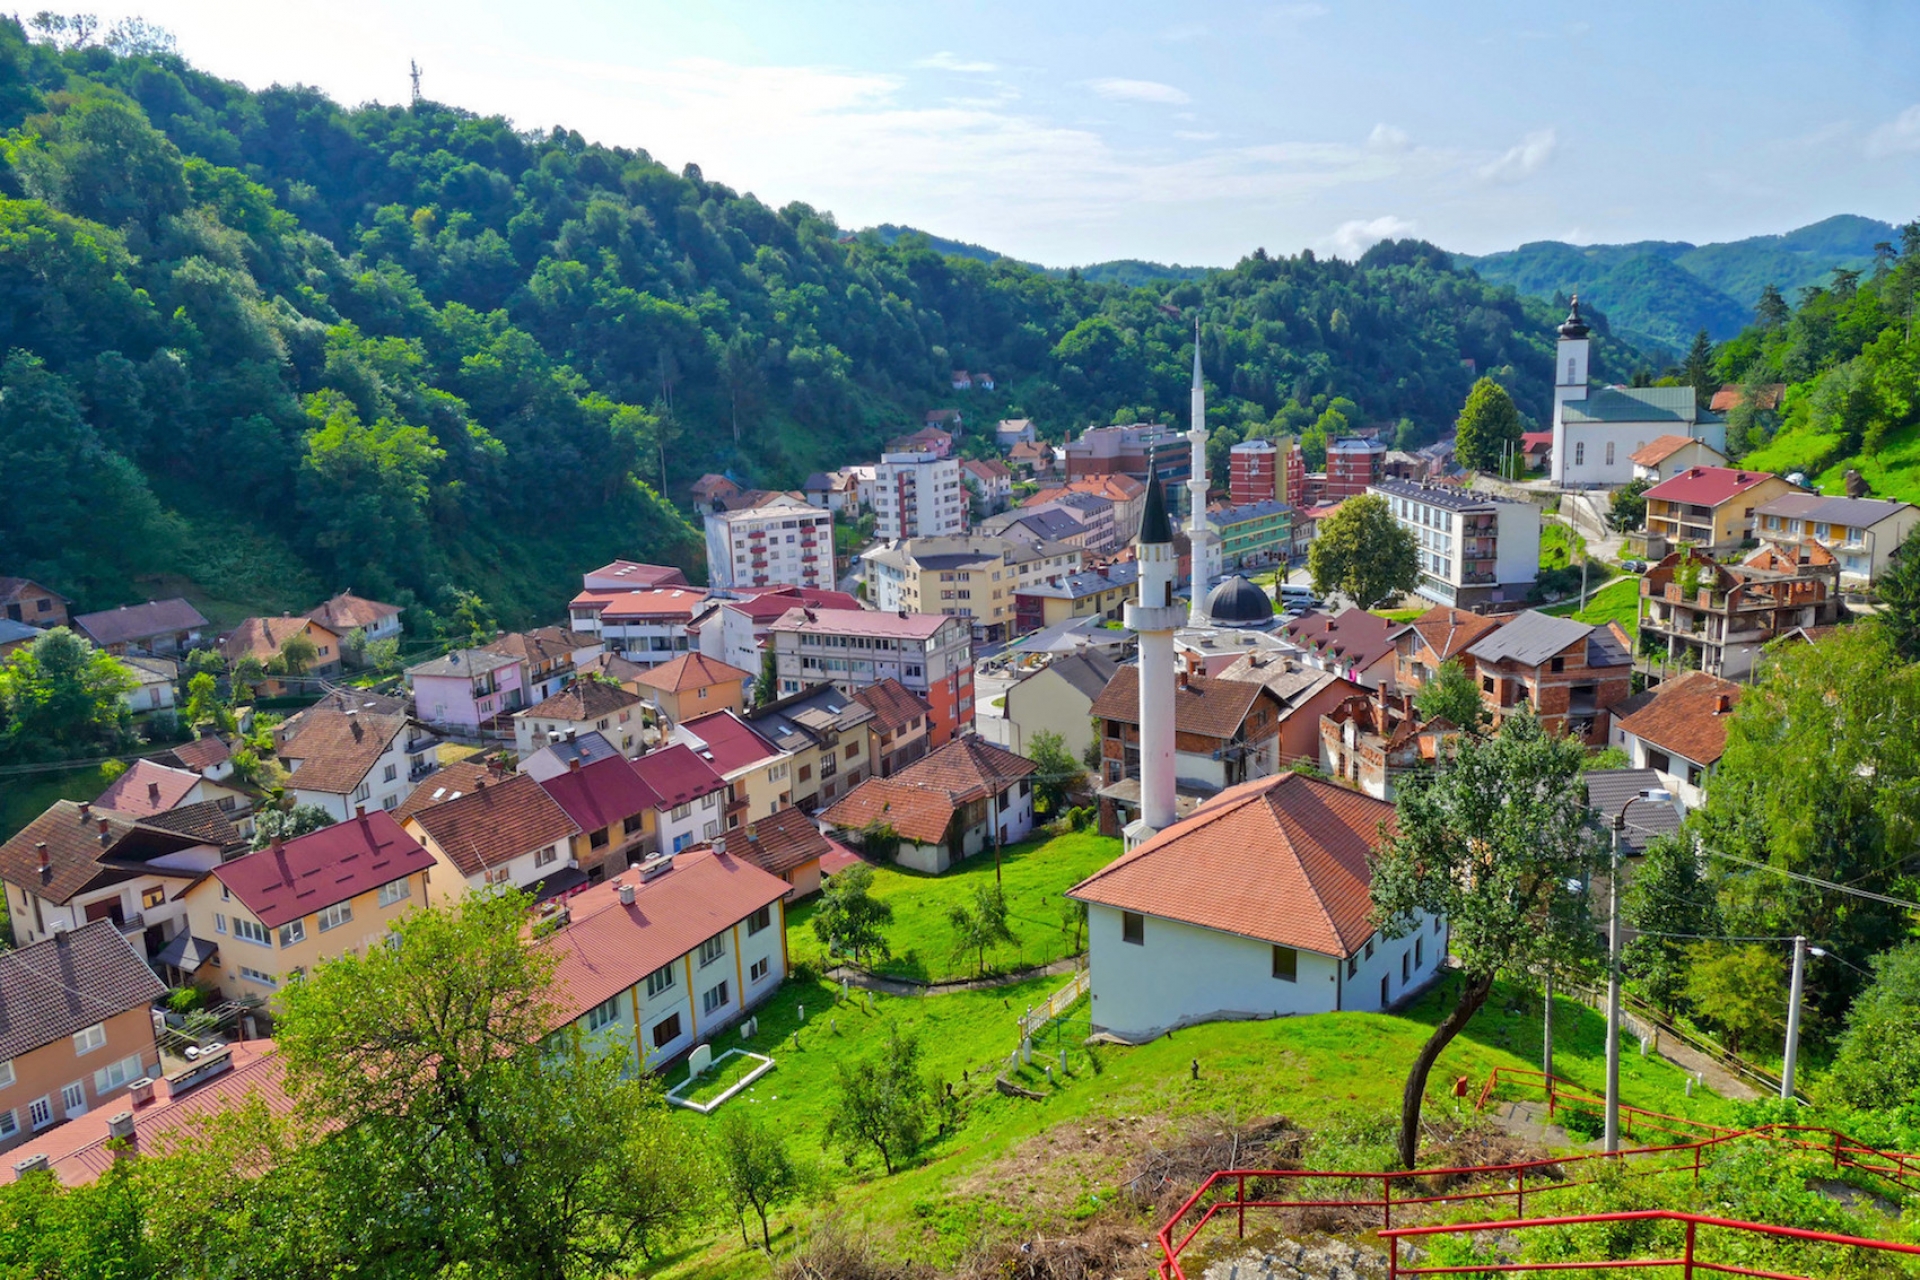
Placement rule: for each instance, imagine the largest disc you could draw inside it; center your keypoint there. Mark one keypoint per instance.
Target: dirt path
(906, 987)
(1715, 1076)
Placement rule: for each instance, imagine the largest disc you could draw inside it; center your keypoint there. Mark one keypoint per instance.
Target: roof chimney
(1723, 704)
(573, 764)
(46, 859)
(140, 1092)
(121, 1126)
(275, 844)
(86, 810)
(358, 732)
(153, 792)
(626, 895)
(359, 811)
(34, 1163)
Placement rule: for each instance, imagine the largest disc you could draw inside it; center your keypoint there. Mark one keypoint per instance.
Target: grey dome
(1238, 603)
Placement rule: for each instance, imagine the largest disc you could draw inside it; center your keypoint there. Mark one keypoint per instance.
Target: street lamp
(1655, 795)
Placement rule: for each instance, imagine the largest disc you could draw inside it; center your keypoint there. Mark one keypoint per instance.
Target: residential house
(547, 657)
(1568, 674)
(1306, 694)
(1009, 432)
(962, 380)
(24, 600)
(615, 817)
(758, 774)
(632, 575)
(1253, 535)
(1710, 507)
(646, 625)
(693, 796)
(464, 690)
(928, 439)
(612, 668)
(504, 832)
(735, 631)
(341, 698)
(1614, 793)
(1085, 522)
(1374, 739)
(1697, 614)
(898, 733)
(1356, 644)
(156, 682)
(992, 478)
(1535, 447)
(1667, 456)
(972, 578)
(1861, 533)
(710, 488)
(1766, 397)
(1257, 906)
(1094, 593)
(1224, 733)
(1474, 548)
(450, 782)
(586, 706)
(963, 798)
(160, 627)
(15, 636)
(209, 756)
(812, 728)
(77, 1030)
(931, 654)
(1127, 494)
(269, 917)
(787, 540)
(948, 420)
(1052, 696)
(1440, 635)
(695, 685)
(786, 844)
(558, 757)
(667, 956)
(75, 864)
(264, 640)
(348, 616)
(149, 787)
(346, 761)
(1679, 730)
(1031, 459)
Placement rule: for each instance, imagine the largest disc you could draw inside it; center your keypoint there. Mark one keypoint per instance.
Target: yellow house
(693, 685)
(1710, 507)
(614, 812)
(265, 919)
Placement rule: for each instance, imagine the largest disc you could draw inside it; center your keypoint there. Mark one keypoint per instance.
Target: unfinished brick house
(1372, 741)
(1700, 615)
(1569, 673)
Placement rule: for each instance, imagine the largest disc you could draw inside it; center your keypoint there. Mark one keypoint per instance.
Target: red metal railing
(1687, 1261)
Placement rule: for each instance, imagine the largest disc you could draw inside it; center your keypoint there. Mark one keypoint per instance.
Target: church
(1596, 431)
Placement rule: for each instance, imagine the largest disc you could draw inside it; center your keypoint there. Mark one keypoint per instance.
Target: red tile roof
(1355, 636)
(203, 754)
(863, 622)
(630, 605)
(86, 849)
(604, 793)
(147, 788)
(1283, 860)
(347, 612)
(677, 774)
(731, 743)
(1659, 449)
(1209, 707)
(1687, 717)
(1447, 631)
(139, 621)
(495, 823)
(51, 989)
(607, 947)
(336, 749)
(894, 706)
(448, 782)
(920, 800)
(691, 671)
(314, 871)
(580, 701)
(779, 844)
(1707, 486)
(262, 638)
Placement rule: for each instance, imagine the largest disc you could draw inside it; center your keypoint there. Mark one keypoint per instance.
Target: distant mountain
(1124, 271)
(1661, 292)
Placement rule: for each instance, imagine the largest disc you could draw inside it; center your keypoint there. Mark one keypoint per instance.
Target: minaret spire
(1200, 535)
(1154, 616)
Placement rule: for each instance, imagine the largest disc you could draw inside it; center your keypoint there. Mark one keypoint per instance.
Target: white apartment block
(918, 495)
(787, 542)
(1474, 549)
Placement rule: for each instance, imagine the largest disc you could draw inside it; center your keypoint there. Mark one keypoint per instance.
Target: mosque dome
(1238, 603)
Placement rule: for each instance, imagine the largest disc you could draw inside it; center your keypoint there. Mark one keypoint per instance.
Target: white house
(345, 761)
(1862, 533)
(154, 680)
(1668, 456)
(693, 796)
(505, 832)
(1679, 730)
(1256, 906)
(663, 957)
(967, 797)
(585, 706)
(787, 540)
(1597, 430)
(1474, 548)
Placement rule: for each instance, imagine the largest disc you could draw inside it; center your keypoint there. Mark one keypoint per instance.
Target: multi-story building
(1253, 472)
(464, 689)
(812, 728)
(78, 1029)
(992, 478)
(759, 775)
(1353, 466)
(693, 796)
(917, 495)
(647, 626)
(1861, 533)
(586, 706)
(1713, 508)
(1255, 534)
(1697, 614)
(625, 575)
(931, 654)
(1568, 674)
(24, 600)
(1474, 548)
(735, 631)
(547, 657)
(348, 761)
(1128, 496)
(1088, 526)
(787, 541)
(506, 831)
(1124, 450)
(1091, 594)
(972, 578)
(1225, 732)
(897, 734)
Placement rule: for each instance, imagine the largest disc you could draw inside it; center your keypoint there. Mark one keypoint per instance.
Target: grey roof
(1076, 586)
(954, 553)
(1531, 638)
(139, 621)
(1609, 790)
(1638, 404)
(1051, 523)
(186, 952)
(463, 662)
(11, 631)
(1155, 528)
(1438, 495)
(1237, 602)
(1087, 671)
(583, 747)
(799, 718)
(1859, 513)
(78, 977)
(1248, 511)
(1284, 678)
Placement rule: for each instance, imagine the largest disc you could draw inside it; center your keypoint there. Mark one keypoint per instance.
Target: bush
(185, 1000)
(803, 971)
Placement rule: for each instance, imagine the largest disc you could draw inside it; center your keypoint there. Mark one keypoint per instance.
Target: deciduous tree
(1361, 552)
(880, 1102)
(288, 824)
(850, 916)
(1878, 1064)
(1451, 694)
(1668, 904)
(1488, 426)
(755, 1169)
(1740, 990)
(980, 924)
(1058, 772)
(60, 698)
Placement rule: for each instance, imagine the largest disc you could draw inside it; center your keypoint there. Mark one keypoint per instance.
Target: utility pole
(414, 69)
(1793, 1018)
(1613, 986)
(1546, 1051)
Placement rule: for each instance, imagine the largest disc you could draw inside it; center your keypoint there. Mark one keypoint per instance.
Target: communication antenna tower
(415, 69)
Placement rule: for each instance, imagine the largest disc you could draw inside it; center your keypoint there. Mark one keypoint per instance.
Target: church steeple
(1573, 326)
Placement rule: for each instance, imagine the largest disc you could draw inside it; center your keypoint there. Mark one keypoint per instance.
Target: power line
(1814, 880)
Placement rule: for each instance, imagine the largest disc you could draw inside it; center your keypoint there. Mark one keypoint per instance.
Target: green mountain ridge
(1121, 271)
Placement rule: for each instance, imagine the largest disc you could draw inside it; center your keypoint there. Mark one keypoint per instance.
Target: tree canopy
(1362, 552)
(1488, 425)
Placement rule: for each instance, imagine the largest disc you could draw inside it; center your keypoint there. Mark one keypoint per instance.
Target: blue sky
(1078, 132)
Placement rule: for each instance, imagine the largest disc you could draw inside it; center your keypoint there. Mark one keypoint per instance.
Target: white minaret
(1569, 382)
(1154, 616)
(1200, 535)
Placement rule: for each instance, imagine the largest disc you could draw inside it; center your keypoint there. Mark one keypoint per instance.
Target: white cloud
(945, 61)
(1521, 159)
(1139, 91)
(1351, 239)
(1387, 138)
(1897, 136)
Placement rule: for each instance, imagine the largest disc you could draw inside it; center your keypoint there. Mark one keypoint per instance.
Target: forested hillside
(260, 346)
(1662, 292)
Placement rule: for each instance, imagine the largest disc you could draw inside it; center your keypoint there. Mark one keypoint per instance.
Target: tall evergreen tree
(1488, 427)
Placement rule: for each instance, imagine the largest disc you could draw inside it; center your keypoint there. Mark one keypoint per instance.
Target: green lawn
(25, 797)
(1034, 875)
(1401, 615)
(1618, 601)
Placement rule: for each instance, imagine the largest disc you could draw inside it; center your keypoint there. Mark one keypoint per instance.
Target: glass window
(1286, 964)
(109, 1078)
(9, 1124)
(335, 916)
(759, 920)
(89, 1039)
(715, 998)
(256, 975)
(601, 1014)
(712, 949)
(73, 1099)
(666, 1031)
(551, 854)
(758, 970)
(1133, 928)
(251, 931)
(293, 932)
(40, 1112)
(660, 980)
(395, 891)
(6, 1074)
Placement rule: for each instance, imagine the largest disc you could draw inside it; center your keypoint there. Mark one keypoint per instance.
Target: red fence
(1687, 1262)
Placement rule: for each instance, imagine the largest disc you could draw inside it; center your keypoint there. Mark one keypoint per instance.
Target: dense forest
(259, 346)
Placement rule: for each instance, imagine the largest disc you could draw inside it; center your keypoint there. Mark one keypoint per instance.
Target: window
(1406, 966)
(296, 931)
(659, 980)
(757, 970)
(1659, 761)
(601, 1014)
(549, 855)
(1353, 966)
(498, 875)
(1286, 964)
(712, 949)
(73, 1099)
(1609, 453)
(1486, 684)
(853, 749)
(1579, 460)
(392, 772)
(1369, 948)
(151, 898)
(1133, 928)
(335, 916)
(40, 1112)
(251, 931)
(395, 891)
(666, 1031)
(9, 1125)
(715, 998)
(1558, 664)
(680, 812)
(362, 791)
(219, 923)
(631, 825)
(86, 1041)
(1419, 953)
(107, 1079)
(1438, 924)
(256, 975)
(759, 920)
(6, 1074)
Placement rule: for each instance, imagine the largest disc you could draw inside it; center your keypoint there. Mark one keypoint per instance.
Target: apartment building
(1474, 548)
(1861, 533)
(930, 654)
(1092, 594)
(916, 495)
(787, 541)
(1712, 508)
(812, 728)
(1353, 466)
(1124, 450)
(972, 578)
(1253, 534)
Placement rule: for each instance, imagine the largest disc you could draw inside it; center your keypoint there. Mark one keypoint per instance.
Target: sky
(1070, 132)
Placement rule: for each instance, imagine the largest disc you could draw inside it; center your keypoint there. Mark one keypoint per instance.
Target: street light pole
(1793, 1018)
(1656, 795)
(1546, 1049)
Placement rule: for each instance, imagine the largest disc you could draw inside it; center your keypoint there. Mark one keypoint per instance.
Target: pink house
(466, 688)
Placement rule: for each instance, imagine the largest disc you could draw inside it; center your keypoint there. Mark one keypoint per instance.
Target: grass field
(1618, 601)
(1401, 615)
(26, 797)
(1033, 874)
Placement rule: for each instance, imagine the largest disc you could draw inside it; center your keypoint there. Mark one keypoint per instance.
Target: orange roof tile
(1687, 717)
(692, 670)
